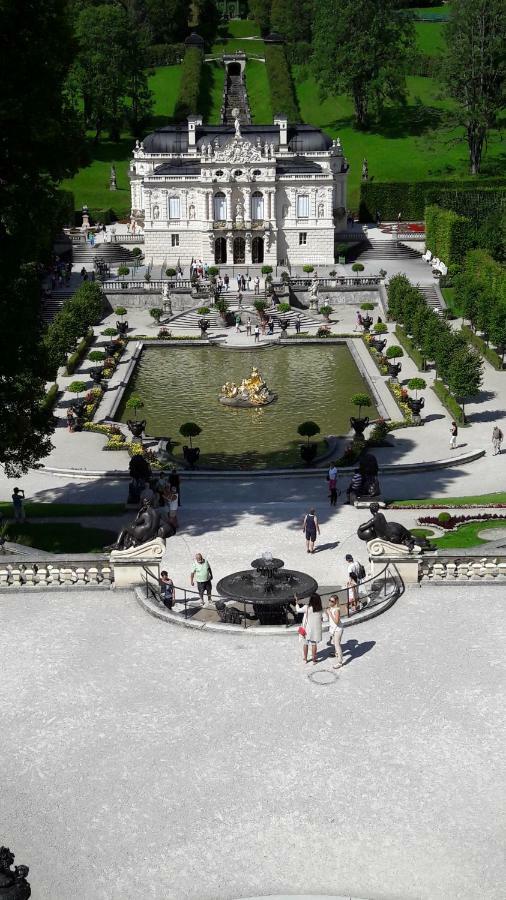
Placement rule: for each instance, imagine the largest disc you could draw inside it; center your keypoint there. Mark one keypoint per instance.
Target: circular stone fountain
(269, 587)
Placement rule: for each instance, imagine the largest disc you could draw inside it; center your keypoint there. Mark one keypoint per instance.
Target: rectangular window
(174, 208)
(302, 238)
(303, 206)
(175, 240)
(220, 207)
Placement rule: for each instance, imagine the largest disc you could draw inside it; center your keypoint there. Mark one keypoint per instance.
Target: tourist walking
(202, 574)
(271, 326)
(175, 483)
(173, 505)
(263, 325)
(71, 420)
(226, 282)
(167, 593)
(312, 626)
(355, 485)
(18, 496)
(359, 323)
(335, 629)
(238, 323)
(257, 334)
(497, 438)
(332, 482)
(453, 435)
(239, 282)
(297, 323)
(352, 586)
(256, 283)
(248, 326)
(355, 567)
(311, 529)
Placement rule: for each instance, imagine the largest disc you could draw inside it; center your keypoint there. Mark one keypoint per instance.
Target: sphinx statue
(13, 883)
(392, 532)
(147, 525)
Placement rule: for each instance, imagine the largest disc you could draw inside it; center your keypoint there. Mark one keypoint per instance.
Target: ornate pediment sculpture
(238, 150)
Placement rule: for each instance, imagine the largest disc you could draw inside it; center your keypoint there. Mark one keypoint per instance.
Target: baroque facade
(243, 194)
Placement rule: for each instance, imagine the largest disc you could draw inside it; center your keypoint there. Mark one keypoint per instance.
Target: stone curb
(389, 469)
(267, 630)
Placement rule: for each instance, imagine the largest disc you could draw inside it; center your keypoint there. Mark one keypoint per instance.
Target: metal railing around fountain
(380, 590)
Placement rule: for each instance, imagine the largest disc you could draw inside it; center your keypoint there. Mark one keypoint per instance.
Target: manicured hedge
(165, 54)
(449, 402)
(280, 82)
(49, 400)
(487, 352)
(80, 351)
(479, 264)
(76, 317)
(411, 198)
(189, 92)
(407, 345)
(448, 235)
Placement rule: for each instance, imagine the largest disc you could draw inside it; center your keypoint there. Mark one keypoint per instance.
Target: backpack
(360, 571)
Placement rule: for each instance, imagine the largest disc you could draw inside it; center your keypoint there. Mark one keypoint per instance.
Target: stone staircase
(235, 98)
(431, 294)
(379, 250)
(187, 322)
(53, 303)
(112, 254)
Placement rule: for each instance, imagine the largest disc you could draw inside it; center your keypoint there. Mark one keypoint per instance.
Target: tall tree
(260, 11)
(109, 69)
(167, 20)
(476, 68)
(362, 50)
(39, 145)
(465, 376)
(293, 18)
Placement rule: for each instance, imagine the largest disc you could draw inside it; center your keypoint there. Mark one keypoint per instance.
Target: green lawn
(449, 296)
(410, 143)
(239, 28)
(430, 37)
(64, 510)
(466, 535)
(60, 537)
(425, 12)
(211, 93)
(450, 502)
(91, 184)
(258, 92)
(232, 44)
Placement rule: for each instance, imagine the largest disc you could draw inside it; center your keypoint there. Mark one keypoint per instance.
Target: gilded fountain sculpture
(251, 392)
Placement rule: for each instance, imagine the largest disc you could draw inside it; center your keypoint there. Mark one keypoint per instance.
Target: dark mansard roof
(174, 138)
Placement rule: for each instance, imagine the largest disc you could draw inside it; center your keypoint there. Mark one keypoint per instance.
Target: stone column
(247, 204)
(230, 249)
(228, 195)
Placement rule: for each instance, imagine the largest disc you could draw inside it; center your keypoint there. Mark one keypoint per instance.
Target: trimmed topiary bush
(170, 273)
(394, 352)
(96, 356)
(156, 313)
(283, 307)
(357, 267)
(380, 328)
(267, 270)
(203, 310)
(361, 400)
(308, 429)
(213, 271)
(367, 306)
(308, 268)
(190, 430)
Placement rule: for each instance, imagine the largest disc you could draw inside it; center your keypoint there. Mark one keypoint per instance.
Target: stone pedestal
(407, 564)
(129, 565)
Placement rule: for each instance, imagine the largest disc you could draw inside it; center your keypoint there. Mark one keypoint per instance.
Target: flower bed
(396, 391)
(449, 522)
(375, 356)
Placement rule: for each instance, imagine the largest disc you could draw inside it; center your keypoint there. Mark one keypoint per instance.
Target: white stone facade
(257, 194)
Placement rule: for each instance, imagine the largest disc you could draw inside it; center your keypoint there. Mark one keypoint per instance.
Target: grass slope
(498, 498)
(258, 92)
(430, 37)
(91, 183)
(410, 143)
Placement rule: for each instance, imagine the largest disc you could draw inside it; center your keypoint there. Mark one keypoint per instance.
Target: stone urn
(416, 407)
(308, 452)
(283, 324)
(97, 375)
(394, 369)
(136, 428)
(191, 455)
(367, 322)
(112, 347)
(204, 325)
(78, 407)
(359, 425)
(379, 344)
(122, 327)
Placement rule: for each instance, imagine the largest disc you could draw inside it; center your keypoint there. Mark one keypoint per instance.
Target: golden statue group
(252, 391)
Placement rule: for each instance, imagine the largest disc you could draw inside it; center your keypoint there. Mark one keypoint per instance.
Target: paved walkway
(175, 765)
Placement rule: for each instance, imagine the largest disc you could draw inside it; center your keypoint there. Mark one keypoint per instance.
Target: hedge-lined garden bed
(189, 91)
(280, 83)
(80, 352)
(487, 352)
(411, 198)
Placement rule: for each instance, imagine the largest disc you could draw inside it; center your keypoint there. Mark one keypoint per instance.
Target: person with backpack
(497, 438)
(355, 567)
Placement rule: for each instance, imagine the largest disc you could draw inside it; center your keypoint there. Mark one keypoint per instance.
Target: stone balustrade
(56, 571)
(451, 567)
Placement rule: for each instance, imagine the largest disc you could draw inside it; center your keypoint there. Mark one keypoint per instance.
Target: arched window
(257, 206)
(220, 207)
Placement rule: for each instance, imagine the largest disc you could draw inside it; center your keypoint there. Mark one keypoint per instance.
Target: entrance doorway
(239, 251)
(257, 250)
(234, 68)
(220, 251)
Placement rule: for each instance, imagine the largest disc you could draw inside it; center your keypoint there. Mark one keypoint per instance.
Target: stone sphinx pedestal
(129, 565)
(407, 563)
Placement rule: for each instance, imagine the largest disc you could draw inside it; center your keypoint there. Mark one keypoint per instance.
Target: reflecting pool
(181, 384)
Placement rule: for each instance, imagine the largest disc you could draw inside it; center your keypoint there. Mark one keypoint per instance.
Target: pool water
(183, 384)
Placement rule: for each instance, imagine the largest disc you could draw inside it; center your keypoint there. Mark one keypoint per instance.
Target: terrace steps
(378, 250)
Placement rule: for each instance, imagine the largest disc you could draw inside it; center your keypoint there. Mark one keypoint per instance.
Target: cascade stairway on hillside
(190, 319)
(235, 98)
(112, 254)
(382, 250)
(430, 293)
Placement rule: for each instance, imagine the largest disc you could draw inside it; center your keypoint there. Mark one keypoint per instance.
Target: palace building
(239, 194)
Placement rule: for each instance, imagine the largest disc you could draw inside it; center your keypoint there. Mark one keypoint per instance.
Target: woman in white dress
(335, 629)
(312, 623)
